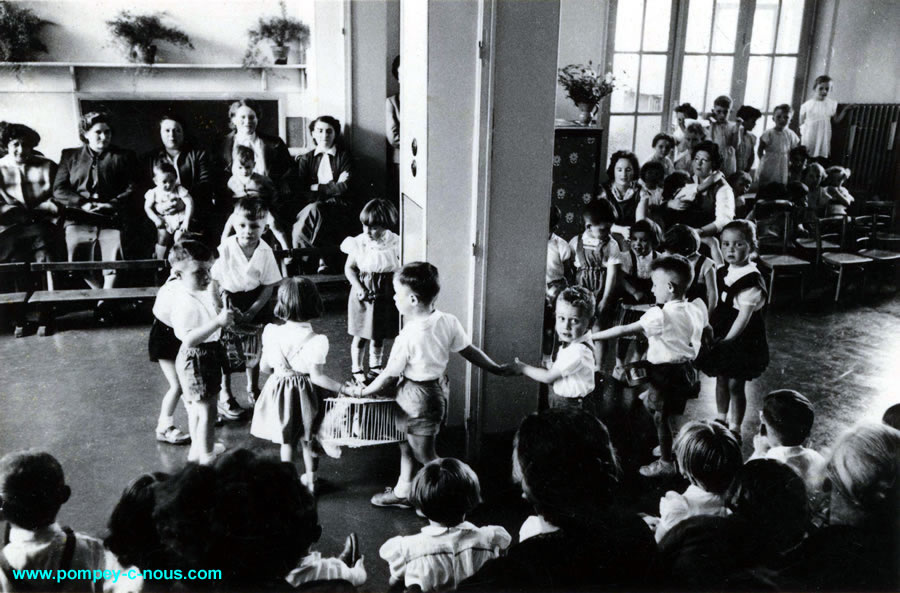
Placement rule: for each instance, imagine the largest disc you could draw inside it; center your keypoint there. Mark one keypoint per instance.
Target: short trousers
(421, 406)
(200, 371)
(162, 345)
(670, 386)
(588, 403)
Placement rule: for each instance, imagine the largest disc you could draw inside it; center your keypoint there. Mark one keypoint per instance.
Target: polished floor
(89, 396)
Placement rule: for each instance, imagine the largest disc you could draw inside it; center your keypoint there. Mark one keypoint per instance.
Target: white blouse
(374, 256)
(288, 348)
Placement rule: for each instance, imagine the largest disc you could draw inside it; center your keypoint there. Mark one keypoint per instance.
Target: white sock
(165, 422)
(402, 488)
(376, 355)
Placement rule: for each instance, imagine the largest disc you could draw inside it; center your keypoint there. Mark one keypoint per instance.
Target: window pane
(656, 26)
(725, 26)
(693, 80)
(789, 29)
(757, 82)
(653, 79)
(782, 82)
(719, 79)
(699, 17)
(648, 126)
(763, 39)
(628, 25)
(625, 68)
(621, 133)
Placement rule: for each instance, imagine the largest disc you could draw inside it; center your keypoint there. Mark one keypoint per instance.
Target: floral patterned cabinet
(577, 172)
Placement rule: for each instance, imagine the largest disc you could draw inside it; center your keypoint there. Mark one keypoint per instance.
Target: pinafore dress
(590, 266)
(697, 289)
(376, 316)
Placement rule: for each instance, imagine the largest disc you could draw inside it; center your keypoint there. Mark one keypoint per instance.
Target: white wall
(582, 38)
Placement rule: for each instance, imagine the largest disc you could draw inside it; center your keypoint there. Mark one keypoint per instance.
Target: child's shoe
(173, 436)
(658, 469)
(389, 499)
(230, 409)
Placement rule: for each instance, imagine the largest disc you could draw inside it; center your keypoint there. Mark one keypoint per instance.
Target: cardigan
(115, 185)
(39, 173)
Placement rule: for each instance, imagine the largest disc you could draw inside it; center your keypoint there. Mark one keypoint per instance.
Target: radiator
(866, 142)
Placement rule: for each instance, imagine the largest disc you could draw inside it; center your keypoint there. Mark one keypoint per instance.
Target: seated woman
(97, 184)
(325, 173)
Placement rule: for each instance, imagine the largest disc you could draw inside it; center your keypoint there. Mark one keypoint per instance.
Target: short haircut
(132, 535)
(555, 216)
(663, 136)
(712, 149)
(678, 269)
(681, 239)
(445, 490)
(817, 168)
(864, 471)
(789, 415)
(820, 79)
(172, 117)
(21, 132)
(234, 107)
(331, 121)
(737, 176)
(798, 152)
(745, 228)
(379, 212)
(189, 250)
(89, 120)
(422, 279)
(708, 454)
(844, 172)
(723, 101)
(599, 211)
(687, 109)
(619, 155)
(298, 300)
(783, 107)
(892, 416)
(653, 169)
(698, 129)
(32, 487)
(649, 228)
(395, 68)
(252, 208)
(748, 112)
(245, 156)
(580, 298)
(163, 166)
(674, 182)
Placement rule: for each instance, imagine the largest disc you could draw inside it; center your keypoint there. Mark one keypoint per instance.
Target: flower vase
(280, 53)
(585, 113)
(142, 54)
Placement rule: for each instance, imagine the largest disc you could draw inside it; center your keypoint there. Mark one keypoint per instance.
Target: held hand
(509, 370)
(226, 318)
(362, 294)
(351, 389)
(160, 224)
(761, 445)
(519, 366)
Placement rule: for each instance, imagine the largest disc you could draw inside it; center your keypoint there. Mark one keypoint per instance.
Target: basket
(243, 346)
(359, 422)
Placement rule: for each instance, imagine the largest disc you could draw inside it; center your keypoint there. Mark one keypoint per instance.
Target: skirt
(162, 345)
(243, 300)
(376, 317)
(288, 410)
(745, 358)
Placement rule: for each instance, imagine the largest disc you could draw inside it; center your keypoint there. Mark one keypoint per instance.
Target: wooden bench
(13, 270)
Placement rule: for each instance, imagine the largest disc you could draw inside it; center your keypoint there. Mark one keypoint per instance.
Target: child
(663, 145)
(839, 199)
(797, 160)
(747, 116)
(32, 490)
(419, 359)
(740, 182)
(709, 457)
(559, 261)
(651, 186)
(287, 412)
(685, 115)
(817, 198)
(169, 206)
(245, 183)
(774, 146)
(815, 118)
(572, 373)
(163, 348)
(891, 417)
(372, 258)
(597, 261)
(674, 330)
(685, 241)
(724, 133)
(784, 425)
(693, 135)
(200, 358)
(449, 549)
(246, 273)
(740, 352)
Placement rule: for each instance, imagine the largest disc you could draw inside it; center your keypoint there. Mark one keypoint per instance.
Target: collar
(329, 151)
(245, 140)
(18, 535)
(437, 530)
(736, 273)
(582, 339)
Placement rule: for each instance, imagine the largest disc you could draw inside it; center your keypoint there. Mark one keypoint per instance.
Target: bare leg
(196, 447)
(357, 354)
(206, 411)
(310, 465)
(225, 393)
(664, 433)
(738, 403)
(422, 448)
(253, 381)
(407, 463)
(287, 453)
(170, 399)
(723, 398)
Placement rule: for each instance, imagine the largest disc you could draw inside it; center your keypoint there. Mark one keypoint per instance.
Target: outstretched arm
(380, 382)
(476, 356)
(618, 331)
(541, 375)
(320, 379)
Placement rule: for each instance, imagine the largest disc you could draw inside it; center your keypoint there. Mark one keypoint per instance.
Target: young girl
(774, 146)
(740, 352)
(449, 549)
(747, 117)
(287, 411)
(815, 118)
(372, 258)
(683, 240)
(169, 206)
(839, 199)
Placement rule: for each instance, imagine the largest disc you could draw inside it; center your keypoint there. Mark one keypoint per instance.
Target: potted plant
(136, 33)
(19, 33)
(279, 31)
(586, 88)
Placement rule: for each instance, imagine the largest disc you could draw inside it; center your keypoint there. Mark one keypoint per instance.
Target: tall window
(709, 47)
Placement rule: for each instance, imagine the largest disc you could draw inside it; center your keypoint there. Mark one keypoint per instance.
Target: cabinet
(577, 173)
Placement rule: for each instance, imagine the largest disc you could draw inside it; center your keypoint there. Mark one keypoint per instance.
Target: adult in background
(97, 184)
(193, 167)
(392, 135)
(325, 173)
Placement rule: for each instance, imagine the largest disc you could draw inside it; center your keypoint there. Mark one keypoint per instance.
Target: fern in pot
(138, 34)
(20, 32)
(279, 31)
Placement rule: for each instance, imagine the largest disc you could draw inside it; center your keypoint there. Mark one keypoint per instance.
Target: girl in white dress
(289, 409)
(774, 146)
(815, 118)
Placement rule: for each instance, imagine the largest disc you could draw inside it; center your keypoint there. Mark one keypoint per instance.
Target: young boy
(246, 273)
(32, 490)
(169, 206)
(572, 373)
(724, 133)
(418, 360)
(784, 425)
(559, 261)
(674, 330)
(244, 183)
(197, 324)
(745, 151)
(663, 145)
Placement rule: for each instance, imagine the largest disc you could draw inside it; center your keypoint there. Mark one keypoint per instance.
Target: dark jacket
(117, 172)
(308, 170)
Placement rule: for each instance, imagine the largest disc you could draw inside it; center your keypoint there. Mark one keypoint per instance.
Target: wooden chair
(885, 262)
(775, 244)
(833, 229)
(885, 224)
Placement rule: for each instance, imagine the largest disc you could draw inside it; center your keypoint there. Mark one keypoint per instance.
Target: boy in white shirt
(572, 373)
(674, 331)
(246, 273)
(198, 323)
(418, 360)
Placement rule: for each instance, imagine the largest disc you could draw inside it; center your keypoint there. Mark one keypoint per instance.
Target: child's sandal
(359, 378)
(373, 373)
